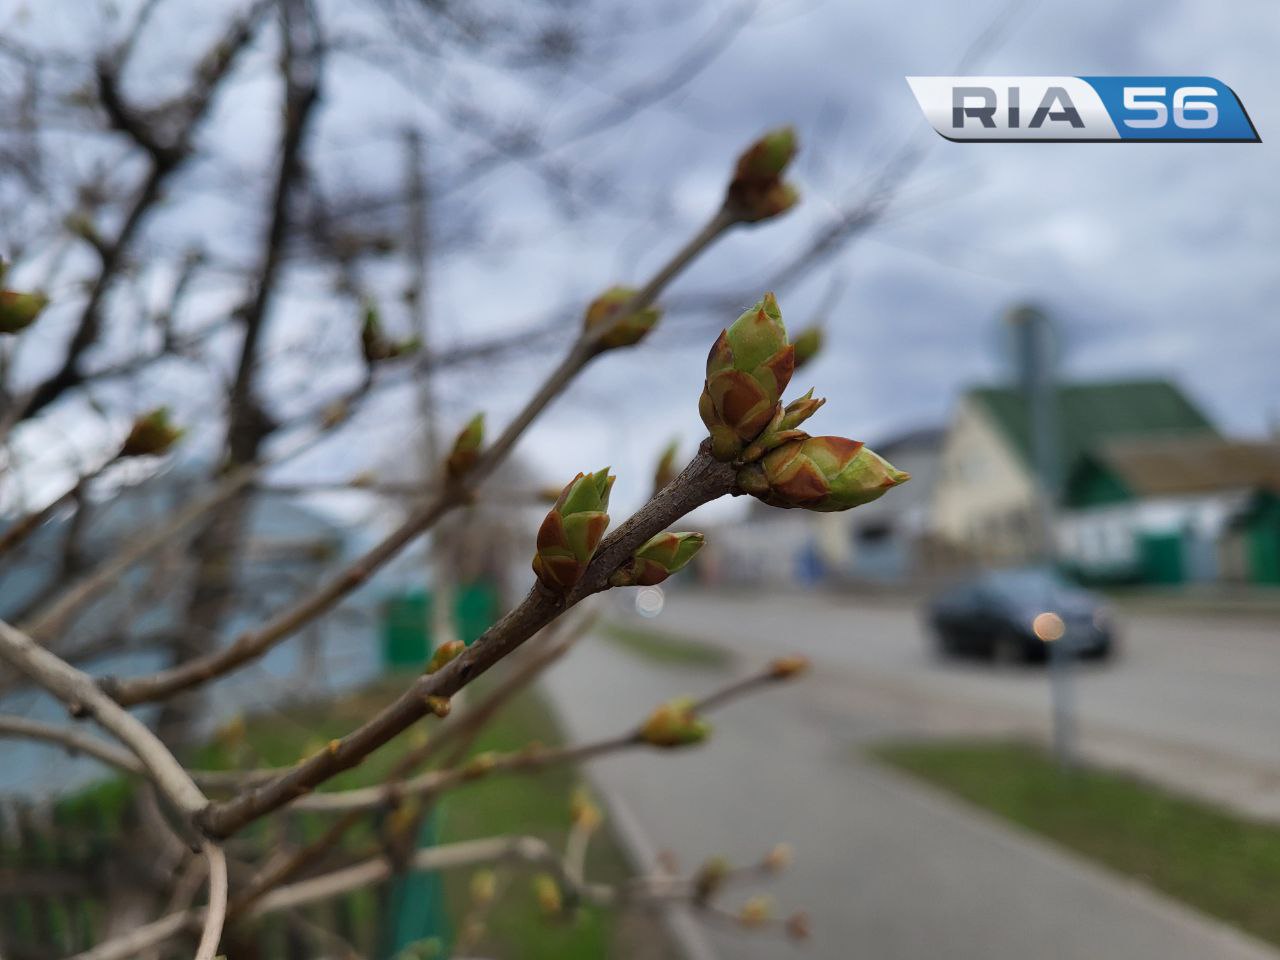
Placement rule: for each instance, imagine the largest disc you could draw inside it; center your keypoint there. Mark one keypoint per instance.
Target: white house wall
(984, 494)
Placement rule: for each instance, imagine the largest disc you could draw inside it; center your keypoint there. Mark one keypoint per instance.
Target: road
(1191, 700)
(889, 869)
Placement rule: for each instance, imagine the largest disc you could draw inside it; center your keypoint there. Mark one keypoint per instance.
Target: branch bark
(82, 698)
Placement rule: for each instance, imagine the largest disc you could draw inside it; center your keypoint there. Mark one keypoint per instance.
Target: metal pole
(1035, 359)
(440, 623)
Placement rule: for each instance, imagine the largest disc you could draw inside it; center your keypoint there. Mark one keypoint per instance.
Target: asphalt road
(1191, 699)
(887, 868)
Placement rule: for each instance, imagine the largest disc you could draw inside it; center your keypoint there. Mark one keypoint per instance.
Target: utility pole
(1034, 349)
(440, 622)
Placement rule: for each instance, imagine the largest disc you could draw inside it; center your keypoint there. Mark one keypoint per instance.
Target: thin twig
(215, 914)
(435, 782)
(254, 643)
(703, 480)
(82, 697)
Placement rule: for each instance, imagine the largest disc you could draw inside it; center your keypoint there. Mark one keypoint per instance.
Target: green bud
(466, 448)
(808, 343)
(20, 310)
(151, 435)
(483, 887)
(710, 878)
(674, 724)
(767, 158)
(820, 473)
(666, 470)
(547, 893)
(783, 427)
(584, 812)
(374, 343)
(572, 530)
(769, 202)
(747, 369)
(444, 654)
(480, 765)
(657, 559)
(757, 191)
(604, 319)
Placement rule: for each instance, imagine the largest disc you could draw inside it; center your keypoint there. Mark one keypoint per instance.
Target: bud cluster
(748, 369)
(757, 191)
(572, 530)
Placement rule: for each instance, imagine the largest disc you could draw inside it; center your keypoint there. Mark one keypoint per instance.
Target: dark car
(1014, 615)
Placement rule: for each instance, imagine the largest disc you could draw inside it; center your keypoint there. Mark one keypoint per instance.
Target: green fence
(406, 628)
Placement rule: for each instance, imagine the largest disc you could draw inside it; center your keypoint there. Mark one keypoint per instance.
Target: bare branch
(72, 740)
(704, 480)
(83, 698)
(252, 644)
(435, 782)
(215, 913)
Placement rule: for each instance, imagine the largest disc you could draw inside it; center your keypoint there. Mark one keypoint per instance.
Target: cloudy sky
(1152, 258)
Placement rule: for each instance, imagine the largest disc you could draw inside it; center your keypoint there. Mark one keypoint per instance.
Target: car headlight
(1048, 626)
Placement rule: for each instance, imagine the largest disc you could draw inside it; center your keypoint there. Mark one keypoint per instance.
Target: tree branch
(703, 480)
(83, 698)
(253, 644)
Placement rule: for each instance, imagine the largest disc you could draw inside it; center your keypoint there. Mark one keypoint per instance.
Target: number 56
(1151, 100)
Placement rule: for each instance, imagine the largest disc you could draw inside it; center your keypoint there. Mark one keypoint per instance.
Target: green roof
(1090, 414)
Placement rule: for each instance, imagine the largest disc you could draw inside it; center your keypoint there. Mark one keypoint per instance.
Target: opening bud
(667, 469)
(20, 310)
(151, 435)
(547, 894)
(583, 811)
(466, 448)
(808, 343)
(660, 557)
(675, 724)
(443, 654)
(610, 327)
(757, 191)
(824, 474)
(748, 368)
(375, 345)
(572, 530)
(483, 887)
(784, 668)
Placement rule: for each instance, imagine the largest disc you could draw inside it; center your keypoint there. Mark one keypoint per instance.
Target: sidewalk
(887, 869)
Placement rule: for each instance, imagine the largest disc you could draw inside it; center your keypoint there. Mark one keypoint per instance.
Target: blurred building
(985, 499)
(1150, 492)
(1172, 510)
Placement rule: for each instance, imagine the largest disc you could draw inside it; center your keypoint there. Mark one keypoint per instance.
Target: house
(986, 496)
(1174, 509)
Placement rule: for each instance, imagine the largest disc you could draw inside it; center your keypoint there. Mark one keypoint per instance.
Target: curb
(690, 939)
